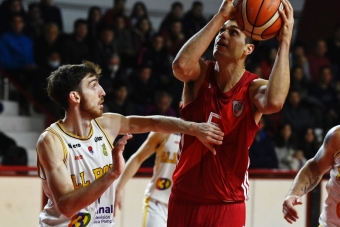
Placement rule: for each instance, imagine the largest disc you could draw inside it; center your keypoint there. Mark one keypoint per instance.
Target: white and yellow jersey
(159, 187)
(330, 215)
(86, 160)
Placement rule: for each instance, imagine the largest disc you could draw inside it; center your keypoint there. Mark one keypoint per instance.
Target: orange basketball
(259, 19)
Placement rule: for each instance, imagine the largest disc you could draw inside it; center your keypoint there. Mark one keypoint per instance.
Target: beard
(90, 108)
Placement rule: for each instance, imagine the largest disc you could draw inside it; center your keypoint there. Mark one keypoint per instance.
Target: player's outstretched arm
(207, 133)
(69, 196)
(311, 173)
(270, 97)
(144, 151)
(187, 65)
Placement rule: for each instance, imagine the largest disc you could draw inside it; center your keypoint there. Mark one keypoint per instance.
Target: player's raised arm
(145, 150)
(269, 98)
(311, 173)
(188, 65)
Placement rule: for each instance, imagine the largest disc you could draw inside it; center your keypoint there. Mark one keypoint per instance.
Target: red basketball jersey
(201, 176)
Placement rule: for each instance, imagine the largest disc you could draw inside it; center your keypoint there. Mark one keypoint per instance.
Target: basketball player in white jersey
(327, 158)
(76, 158)
(157, 192)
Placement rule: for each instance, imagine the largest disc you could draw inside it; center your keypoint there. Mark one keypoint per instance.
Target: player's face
(230, 42)
(92, 97)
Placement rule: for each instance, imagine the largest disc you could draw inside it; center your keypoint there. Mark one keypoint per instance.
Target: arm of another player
(68, 200)
(269, 98)
(145, 150)
(311, 173)
(207, 133)
(188, 64)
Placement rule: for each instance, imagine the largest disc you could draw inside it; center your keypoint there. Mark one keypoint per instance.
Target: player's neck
(228, 75)
(76, 124)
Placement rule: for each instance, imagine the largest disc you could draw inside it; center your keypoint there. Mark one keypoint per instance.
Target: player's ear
(74, 97)
(249, 48)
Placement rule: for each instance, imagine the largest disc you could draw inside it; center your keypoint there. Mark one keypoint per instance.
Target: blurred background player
(157, 192)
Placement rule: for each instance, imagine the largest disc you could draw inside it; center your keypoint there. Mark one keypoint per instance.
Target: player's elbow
(273, 107)
(65, 209)
(180, 69)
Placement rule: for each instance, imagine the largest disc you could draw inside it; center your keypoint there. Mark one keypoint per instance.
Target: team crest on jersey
(238, 106)
(90, 149)
(80, 219)
(104, 149)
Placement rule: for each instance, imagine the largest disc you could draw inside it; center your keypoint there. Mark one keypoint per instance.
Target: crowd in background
(136, 70)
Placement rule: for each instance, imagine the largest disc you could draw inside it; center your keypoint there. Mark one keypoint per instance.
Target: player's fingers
(211, 148)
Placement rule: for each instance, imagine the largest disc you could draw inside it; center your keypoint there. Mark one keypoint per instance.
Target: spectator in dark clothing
(138, 12)
(333, 51)
(193, 20)
(308, 143)
(94, 26)
(176, 13)
(299, 81)
(76, 49)
(106, 46)
(16, 49)
(117, 10)
(295, 113)
(157, 56)
(142, 34)
(175, 39)
(51, 13)
(143, 88)
(161, 105)
(9, 8)
(325, 93)
(47, 43)
(34, 23)
(298, 57)
(262, 151)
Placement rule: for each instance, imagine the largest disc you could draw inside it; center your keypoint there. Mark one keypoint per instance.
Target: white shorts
(155, 214)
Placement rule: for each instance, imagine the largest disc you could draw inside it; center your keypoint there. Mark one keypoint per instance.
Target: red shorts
(182, 213)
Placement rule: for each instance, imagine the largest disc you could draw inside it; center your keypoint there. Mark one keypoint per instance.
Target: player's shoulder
(47, 139)
(332, 137)
(109, 118)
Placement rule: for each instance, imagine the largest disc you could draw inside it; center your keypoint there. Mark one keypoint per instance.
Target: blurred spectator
(47, 43)
(16, 49)
(75, 49)
(118, 9)
(285, 145)
(268, 62)
(193, 20)
(317, 58)
(175, 39)
(34, 24)
(143, 88)
(139, 11)
(296, 113)
(308, 143)
(124, 42)
(9, 8)
(298, 160)
(105, 47)
(176, 13)
(118, 100)
(94, 24)
(113, 69)
(51, 13)
(299, 81)
(161, 105)
(298, 57)
(262, 151)
(157, 56)
(325, 93)
(142, 34)
(333, 51)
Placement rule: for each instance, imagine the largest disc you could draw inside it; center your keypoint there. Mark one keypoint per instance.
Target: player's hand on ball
(117, 154)
(286, 14)
(227, 9)
(289, 212)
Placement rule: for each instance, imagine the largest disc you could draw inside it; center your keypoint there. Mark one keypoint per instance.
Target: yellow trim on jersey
(72, 135)
(65, 151)
(146, 206)
(337, 155)
(105, 134)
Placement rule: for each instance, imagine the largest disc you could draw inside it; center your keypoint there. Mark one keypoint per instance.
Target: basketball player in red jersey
(210, 188)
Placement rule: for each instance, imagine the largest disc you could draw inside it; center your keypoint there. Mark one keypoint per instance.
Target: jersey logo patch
(163, 184)
(90, 149)
(238, 106)
(104, 149)
(80, 220)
